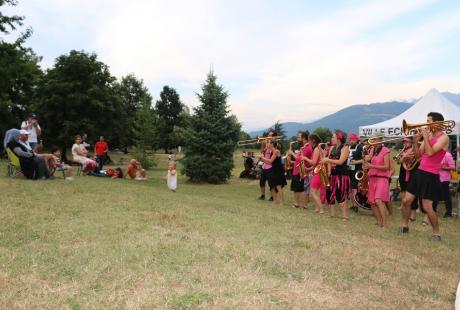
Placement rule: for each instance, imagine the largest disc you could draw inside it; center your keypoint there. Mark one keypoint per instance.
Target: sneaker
(262, 197)
(403, 230)
(436, 238)
(447, 215)
(354, 209)
(271, 199)
(69, 179)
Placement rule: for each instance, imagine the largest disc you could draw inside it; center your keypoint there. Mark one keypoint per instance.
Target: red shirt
(101, 147)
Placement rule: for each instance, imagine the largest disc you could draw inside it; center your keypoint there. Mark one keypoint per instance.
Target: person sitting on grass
(135, 171)
(55, 164)
(79, 154)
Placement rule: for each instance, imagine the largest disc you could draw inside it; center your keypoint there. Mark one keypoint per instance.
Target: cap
(406, 139)
(23, 132)
(353, 136)
(33, 115)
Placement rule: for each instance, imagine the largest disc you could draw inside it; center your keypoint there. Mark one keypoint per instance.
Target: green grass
(102, 243)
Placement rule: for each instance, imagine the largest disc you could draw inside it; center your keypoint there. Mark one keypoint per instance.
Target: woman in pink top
(379, 170)
(447, 165)
(318, 192)
(425, 183)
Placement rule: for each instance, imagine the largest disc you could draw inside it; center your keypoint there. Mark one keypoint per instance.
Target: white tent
(433, 101)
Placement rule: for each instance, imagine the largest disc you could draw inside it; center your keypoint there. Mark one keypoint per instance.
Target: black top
(338, 169)
(356, 153)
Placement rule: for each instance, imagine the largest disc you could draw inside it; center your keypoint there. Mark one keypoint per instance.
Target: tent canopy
(433, 101)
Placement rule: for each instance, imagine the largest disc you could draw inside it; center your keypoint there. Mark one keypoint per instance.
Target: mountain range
(350, 118)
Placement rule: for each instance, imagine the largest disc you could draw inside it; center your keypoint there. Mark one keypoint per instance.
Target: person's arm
(416, 147)
(441, 144)
(343, 157)
(18, 151)
(25, 125)
(95, 148)
(448, 164)
(271, 159)
(385, 166)
(80, 152)
(314, 158)
(38, 129)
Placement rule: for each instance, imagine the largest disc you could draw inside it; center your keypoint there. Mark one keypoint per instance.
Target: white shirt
(33, 135)
(76, 157)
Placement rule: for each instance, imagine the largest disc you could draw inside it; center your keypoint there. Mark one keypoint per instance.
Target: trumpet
(407, 128)
(440, 125)
(397, 157)
(258, 140)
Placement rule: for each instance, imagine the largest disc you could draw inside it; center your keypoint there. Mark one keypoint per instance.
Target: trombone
(407, 128)
(258, 140)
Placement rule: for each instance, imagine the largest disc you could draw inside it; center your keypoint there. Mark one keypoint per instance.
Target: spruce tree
(212, 136)
(168, 109)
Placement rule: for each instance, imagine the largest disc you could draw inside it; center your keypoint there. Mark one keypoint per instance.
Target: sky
(291, 60)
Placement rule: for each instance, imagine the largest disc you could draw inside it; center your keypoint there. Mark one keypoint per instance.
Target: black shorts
(265, 176)
(354, 182)
(425, 185)
(297, 184)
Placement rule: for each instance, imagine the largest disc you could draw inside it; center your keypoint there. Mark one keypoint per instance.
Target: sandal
(295, 206)
(425, 223)
(412, 220)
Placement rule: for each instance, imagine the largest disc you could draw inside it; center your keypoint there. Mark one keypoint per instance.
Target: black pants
(445, 197)
(100, 162)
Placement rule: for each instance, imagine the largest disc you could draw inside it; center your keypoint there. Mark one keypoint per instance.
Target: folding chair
(13, 167)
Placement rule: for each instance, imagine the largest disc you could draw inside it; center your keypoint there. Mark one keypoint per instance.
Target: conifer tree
(211, 137)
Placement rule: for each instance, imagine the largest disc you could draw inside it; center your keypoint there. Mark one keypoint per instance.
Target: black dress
(278, 178)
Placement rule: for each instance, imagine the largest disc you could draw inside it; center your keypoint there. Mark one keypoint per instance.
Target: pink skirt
(316, 184)
(379, 188)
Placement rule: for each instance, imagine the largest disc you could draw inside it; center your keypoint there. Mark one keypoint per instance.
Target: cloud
(276, 65)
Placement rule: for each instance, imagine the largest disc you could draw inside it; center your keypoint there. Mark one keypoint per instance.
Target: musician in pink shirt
(425, 183)
(447, 165)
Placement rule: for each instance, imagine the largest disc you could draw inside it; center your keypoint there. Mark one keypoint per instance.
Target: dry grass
(100, 243)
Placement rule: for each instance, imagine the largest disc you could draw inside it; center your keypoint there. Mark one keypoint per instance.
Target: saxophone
(288, 159)
(362, 175)
(321, 169)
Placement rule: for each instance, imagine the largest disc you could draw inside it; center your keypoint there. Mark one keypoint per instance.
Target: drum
(361, 201)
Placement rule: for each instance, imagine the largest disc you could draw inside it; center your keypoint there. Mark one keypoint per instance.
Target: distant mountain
(455, 98)
(349, 119)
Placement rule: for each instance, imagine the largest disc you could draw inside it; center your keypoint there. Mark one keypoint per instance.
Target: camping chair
(79, 166)
(13, 167)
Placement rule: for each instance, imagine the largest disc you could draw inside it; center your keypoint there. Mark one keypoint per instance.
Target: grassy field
(101, 243)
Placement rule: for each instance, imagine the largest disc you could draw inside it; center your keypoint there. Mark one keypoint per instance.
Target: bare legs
(427, 207)
(316, 196)
(278, 191)
(382, 210)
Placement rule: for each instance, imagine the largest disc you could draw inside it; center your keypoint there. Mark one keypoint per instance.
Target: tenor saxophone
(321, 169)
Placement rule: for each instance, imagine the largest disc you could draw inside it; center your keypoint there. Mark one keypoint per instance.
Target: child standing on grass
(172, 176)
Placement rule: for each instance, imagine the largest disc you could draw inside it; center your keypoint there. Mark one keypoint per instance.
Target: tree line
(79, 94)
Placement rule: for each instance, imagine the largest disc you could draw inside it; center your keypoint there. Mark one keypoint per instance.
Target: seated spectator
(135, 171)
(55, 164)
(33, 166)
(79, 154)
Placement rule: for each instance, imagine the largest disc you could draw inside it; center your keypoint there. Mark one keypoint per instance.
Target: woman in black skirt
(277, 179)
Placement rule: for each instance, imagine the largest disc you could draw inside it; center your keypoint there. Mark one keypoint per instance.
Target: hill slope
(349, 118)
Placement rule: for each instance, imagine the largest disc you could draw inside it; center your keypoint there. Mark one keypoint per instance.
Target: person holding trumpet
(425, 183)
